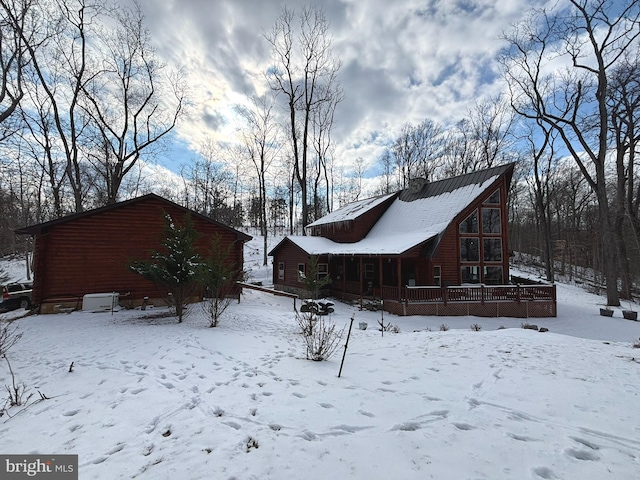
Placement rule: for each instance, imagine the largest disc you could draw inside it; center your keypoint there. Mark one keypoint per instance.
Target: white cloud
(403, 61)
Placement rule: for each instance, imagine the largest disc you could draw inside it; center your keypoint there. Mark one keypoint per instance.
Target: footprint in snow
(116, 449)
(581, 454)
(544, 472)
(463, 426)
(407, 427)
(326, 405)
(234, 425)
(586, 443)
(521, 438)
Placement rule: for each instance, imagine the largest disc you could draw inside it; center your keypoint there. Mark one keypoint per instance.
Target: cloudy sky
(402, 61)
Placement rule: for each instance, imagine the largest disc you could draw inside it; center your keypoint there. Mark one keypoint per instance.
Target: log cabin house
(90, 252)
(436, 248)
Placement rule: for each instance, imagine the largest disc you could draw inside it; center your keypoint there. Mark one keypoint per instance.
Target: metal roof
(433, 189)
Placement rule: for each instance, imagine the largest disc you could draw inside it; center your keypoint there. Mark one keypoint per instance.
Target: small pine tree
(312, 283)
(218, 276)
(176, 266)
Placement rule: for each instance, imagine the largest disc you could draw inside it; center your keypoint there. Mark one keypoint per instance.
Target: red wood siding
(353, 230)
(92, 254)
(448, 252)
(291, 255)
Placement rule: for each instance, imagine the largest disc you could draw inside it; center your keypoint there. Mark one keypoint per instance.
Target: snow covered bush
(321, 338)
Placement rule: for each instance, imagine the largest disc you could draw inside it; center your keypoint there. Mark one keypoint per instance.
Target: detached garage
(90, 252)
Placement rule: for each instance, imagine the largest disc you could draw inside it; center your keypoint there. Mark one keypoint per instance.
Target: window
(368, 271)
(437, 275)
(493, 276)
(301, 275)
(491, 220)
(469, 250)
(492, 249)
(470, 224)
(471, 274)
(323, 270)
(494, 199)
(280, 270)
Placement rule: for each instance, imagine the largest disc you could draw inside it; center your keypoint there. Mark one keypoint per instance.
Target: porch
(519, 301)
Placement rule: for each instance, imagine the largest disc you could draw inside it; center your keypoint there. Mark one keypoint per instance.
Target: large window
(493, 276)
(492, 249)
(469, 249)
(481, 245)
(491, 220)
(471, 274)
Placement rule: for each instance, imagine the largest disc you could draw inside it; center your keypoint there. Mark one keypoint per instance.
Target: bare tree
(42, 141)
(481, 140)
(16, 28)
(323, 120)
(261, 144)
(417, 151)
(304, 72)
(542, 155)
(131, 105)
(386, 161)
(61, 71)
(623, 99)
(206, 183)
(592, 36)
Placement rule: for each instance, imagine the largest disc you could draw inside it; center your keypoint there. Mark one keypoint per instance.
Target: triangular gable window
(470, 224)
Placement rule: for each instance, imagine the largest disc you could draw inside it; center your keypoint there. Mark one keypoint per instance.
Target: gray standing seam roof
(432, 189)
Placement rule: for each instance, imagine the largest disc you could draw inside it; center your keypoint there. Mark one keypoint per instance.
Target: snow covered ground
(152, 399)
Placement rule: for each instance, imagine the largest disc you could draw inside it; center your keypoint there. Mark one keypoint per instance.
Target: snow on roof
(403, 226)
(351, 211)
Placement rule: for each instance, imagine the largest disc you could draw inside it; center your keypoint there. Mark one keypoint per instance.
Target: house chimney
(416, 184)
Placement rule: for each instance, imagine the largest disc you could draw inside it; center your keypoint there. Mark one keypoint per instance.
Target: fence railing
(471, 293)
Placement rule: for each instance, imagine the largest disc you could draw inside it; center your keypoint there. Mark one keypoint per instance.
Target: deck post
(399, 266)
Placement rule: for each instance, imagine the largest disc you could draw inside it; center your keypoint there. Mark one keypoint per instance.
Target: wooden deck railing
(471, 293)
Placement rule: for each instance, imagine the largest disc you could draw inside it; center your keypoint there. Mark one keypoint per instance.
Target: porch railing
(471, 293)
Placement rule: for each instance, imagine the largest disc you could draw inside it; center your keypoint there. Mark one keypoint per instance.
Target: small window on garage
(301, 275)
